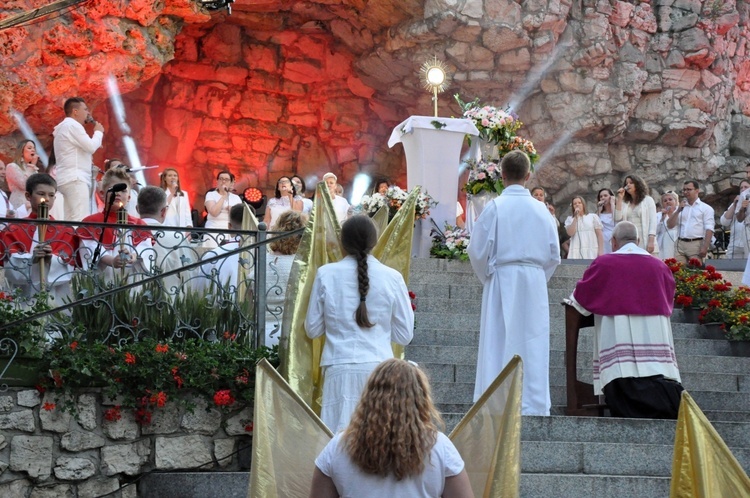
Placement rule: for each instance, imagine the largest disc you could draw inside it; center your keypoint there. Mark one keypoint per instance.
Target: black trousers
(643, 397)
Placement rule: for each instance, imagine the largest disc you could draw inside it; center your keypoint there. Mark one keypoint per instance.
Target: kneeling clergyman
(631, 294)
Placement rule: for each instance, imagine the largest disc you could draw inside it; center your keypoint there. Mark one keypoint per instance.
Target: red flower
(249, 427)
(143, 416)
(130, 358)
(671, 262)
(243, 378)
(714, 303)
(226, 335)
(695, 262)
(412, 295)
(703, 287)
(74, 345)
(40, 388)
(413, 307)
(113, 414)
(162, 348)
(159, 399)
(710, 268)
(49, 406)
(223, 398)
(722, 287)
(743, 318)
(674, 269)
(684, 300)
(5, 296)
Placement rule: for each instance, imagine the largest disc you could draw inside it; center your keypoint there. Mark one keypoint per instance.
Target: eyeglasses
(670, 192)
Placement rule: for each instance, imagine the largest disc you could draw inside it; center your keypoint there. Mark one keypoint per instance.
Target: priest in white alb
(514, 251)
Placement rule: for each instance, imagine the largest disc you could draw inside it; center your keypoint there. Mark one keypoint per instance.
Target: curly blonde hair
(288, 221)
(395, 425)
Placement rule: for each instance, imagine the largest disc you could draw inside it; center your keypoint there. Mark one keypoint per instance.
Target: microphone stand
(107, 209)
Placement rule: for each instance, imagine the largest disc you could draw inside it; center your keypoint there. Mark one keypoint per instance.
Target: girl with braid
(361, 306)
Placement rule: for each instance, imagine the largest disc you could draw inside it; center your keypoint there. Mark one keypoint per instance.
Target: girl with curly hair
(393, 446)
(361, 306)
(633, 204)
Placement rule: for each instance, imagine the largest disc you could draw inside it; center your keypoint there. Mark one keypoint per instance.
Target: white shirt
(352, 482)
(341, 208)
(222, 220)
(334, 301)
(74, 150)
(227, 269)
(695, 220)
(178, 211)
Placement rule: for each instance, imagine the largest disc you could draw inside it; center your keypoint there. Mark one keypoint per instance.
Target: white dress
(583, 243)
(277, 206)
(220, 221)
(608, 226)
(666, 237)
(352, 482)
(350, 352)
(514, 265)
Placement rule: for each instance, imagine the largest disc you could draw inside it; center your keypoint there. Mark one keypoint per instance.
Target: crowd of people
(674, 227)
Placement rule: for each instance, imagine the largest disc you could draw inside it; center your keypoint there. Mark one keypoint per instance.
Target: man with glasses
(695, 220)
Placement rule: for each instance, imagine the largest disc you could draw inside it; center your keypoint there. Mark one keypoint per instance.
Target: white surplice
(514, 251)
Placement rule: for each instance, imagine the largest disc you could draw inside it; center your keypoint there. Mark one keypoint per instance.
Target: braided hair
(358, 237)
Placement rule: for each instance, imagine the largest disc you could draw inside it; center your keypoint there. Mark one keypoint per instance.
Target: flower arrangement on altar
(393, 199)
(494, 124)
(518, 143)
(451, 243)
(483, 176)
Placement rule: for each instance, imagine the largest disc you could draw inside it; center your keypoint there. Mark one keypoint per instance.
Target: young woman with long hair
(361, 306)
(585, 230)
(633, 204)
(178, 204)
(605, 208)
(667, 237)
(285, 199)
(393, 446)
(23, 166)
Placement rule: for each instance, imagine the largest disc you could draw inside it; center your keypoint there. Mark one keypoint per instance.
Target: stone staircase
(574, 456)
(560, 456)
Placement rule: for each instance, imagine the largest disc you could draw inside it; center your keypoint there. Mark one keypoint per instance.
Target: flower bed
(718, 301)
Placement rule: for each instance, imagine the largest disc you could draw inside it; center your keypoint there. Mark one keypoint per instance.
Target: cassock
(135, 241)
(514, 251)
(16, 250)
(631, 294)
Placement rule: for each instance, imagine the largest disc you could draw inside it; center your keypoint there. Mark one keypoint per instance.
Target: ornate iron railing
(166, 282)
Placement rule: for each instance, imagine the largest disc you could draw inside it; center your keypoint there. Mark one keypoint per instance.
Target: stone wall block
(125, 428)
(223, 43)
(81, 440)
(87, 411)
(73, 468)
(505, 11)
(693, 40)
(3, 444)
(644, 18)
(55, 420)
(33, 455)
(22, 420)
(59, 491)
(237, 425)
(17, 488)
(125, 458)
(98, 487)
(684, 79)
(504, 38)
(223, 451)
(182, 452)
(165, 420)
(204, 419)
(6, 403)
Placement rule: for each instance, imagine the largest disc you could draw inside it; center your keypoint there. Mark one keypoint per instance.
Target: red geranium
(684, 300)
(74, 345)
(130, 358)
(113, 414)
(223, 398)
(143, 416)
(162, 348)
(49, 406)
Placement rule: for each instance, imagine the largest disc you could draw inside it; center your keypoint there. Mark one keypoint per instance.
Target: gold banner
(703, 466)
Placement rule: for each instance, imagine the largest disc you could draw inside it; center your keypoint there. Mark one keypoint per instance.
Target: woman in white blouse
(19, 171)
(605, 203)
(178, 204)
(667, 237)
(633, 204)
(734, 219)
(218, 203)
(285, 199)
(361, 306)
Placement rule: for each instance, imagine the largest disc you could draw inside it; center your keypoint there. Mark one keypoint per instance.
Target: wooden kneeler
(581, 399)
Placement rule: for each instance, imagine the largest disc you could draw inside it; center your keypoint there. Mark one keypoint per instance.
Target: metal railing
(170, 283)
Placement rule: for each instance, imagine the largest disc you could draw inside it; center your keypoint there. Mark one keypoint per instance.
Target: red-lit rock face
(311, 86)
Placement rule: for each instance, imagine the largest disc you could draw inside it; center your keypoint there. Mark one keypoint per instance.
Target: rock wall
(659, 88)
(47, 452)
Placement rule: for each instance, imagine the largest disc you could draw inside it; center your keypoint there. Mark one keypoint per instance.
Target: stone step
(601, 486)
(458, 397)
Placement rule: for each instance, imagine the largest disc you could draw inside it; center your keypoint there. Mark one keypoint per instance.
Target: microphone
(118, 187)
